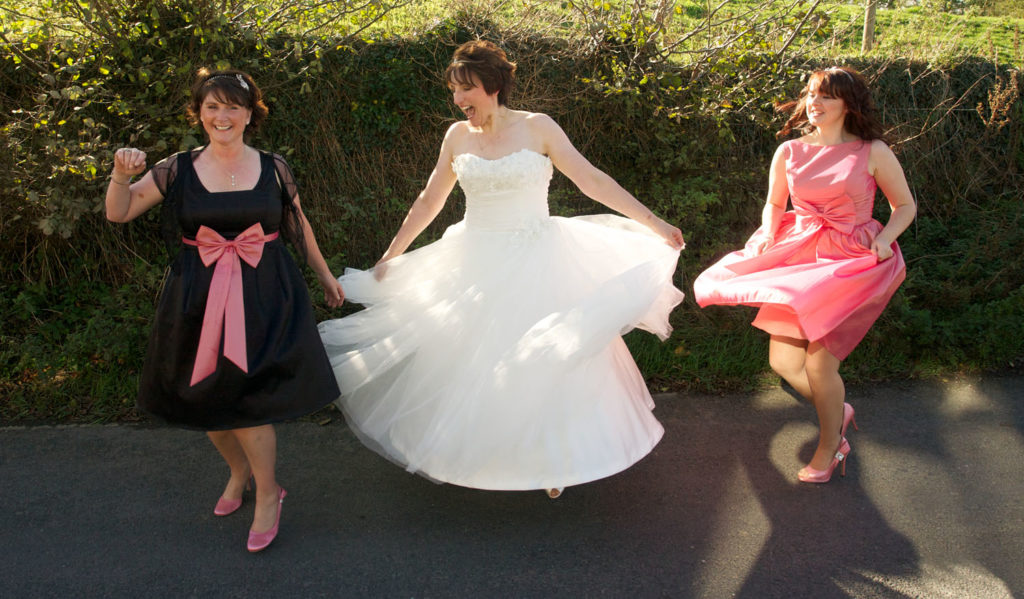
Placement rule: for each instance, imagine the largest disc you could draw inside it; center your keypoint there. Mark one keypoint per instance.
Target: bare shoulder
(881, 156)
(881, 149)
(783, 151)
(537, 120)
(546, 131)
(455, 136)
(456, 131)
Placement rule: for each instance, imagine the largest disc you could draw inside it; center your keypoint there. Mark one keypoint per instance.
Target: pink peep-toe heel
(813, 475)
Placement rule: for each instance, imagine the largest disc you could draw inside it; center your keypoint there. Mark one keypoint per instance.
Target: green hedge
(361, 123)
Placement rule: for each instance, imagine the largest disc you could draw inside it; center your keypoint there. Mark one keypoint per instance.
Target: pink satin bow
(838, 214)
(225, 305)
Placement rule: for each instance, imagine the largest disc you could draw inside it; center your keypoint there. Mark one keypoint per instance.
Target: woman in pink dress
(823, 272)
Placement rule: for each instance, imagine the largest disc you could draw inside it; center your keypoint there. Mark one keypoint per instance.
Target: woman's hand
(881, 247)
(126, 200)
(129, 162)
(334, 295)
(763, 244)
(380, 269)
(671, 234)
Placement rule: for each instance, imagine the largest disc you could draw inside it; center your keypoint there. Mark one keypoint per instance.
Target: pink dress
(819, 281)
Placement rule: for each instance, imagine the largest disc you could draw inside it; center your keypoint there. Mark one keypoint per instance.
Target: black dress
(289, 374)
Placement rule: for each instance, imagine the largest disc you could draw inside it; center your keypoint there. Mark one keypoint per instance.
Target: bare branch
(797, 29)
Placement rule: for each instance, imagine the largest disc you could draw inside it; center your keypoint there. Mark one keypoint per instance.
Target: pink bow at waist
(225, 304)
(838, 214)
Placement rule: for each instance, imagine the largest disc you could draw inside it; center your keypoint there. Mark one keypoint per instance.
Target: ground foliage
(360, 118)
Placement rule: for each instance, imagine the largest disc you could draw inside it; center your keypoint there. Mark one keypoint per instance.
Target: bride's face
(473, 100)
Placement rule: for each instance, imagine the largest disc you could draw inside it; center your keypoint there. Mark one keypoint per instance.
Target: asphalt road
(932, 506)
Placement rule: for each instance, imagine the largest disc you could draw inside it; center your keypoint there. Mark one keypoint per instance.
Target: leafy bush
(361, 119)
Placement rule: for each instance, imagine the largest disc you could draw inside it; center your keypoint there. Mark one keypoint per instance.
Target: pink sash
(225, 304)
(839, 214)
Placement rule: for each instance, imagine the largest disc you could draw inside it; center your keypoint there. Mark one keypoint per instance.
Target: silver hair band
(241, 80)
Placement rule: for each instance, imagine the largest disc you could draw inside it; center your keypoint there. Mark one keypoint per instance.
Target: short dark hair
(846, 84)
(488, 63)
(229, 85)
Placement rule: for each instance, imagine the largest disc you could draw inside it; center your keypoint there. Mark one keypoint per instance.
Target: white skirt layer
(494, 359)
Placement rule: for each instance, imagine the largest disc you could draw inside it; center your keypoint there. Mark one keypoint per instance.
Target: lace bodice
(505, 194)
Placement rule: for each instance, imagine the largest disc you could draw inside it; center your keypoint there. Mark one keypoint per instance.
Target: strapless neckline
(500, 158)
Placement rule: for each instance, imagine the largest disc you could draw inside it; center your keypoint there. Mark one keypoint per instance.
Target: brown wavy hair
(490, 65)
(846, 84)
(227, 85)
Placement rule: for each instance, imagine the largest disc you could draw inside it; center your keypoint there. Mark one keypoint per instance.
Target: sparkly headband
(241, 80)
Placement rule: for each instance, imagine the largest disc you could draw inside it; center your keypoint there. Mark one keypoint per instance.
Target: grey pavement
(931, 506)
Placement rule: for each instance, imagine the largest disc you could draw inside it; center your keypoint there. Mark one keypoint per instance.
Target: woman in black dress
(234, 346)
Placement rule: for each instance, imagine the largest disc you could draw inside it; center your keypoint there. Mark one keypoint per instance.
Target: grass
(912, 32)
(920, 34)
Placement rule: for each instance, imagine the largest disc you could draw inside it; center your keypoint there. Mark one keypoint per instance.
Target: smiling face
(215, 94)
(822, 108)
(222, 119)
(473, 100)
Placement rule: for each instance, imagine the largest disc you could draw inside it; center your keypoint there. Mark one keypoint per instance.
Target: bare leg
(788, 358)
(828, 394)
(232, 452)
(260, 445)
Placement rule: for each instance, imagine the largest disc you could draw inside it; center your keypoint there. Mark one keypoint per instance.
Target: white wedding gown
(493, 357)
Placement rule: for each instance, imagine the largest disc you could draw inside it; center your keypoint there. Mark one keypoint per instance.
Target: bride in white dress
(493, 357)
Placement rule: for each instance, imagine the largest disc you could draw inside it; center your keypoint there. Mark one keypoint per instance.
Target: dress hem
(373, 445)
(196, 427)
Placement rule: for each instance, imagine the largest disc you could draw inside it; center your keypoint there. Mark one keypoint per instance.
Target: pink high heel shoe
(258, 541)
(813, 475)
(225, 507)
(847, 419)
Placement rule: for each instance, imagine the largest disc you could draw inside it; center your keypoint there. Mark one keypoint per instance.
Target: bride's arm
(429, 202)
(594, 182)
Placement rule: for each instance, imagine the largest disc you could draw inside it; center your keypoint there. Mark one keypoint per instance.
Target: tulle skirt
(494, 359)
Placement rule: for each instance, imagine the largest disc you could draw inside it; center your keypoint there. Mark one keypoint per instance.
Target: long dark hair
(840, 82)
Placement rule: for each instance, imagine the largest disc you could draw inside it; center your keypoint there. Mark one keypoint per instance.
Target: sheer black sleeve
(291, 218)
(165, 173)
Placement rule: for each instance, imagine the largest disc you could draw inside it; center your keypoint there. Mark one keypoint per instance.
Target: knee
(786, 366)
(821, 369)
